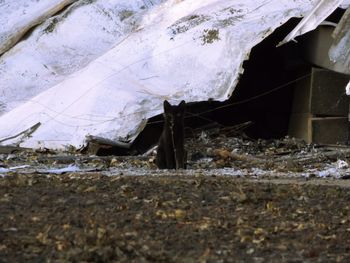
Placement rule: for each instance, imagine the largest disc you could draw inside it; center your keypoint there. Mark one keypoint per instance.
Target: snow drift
(103, 67)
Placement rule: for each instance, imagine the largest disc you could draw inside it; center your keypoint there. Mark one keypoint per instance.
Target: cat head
(172, 113)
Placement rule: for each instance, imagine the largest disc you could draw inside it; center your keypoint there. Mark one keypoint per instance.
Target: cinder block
(322, 94)
(328, 97)
(327, 130)
(331, 130)
(299, 126)
(320, 108)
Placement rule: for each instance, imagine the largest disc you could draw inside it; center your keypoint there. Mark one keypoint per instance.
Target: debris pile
(216, 151)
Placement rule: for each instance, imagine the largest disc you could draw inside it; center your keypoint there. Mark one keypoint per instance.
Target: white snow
(17, 17)
(62, 45)
(347, 89)
(341, 164)
(68, 169)
(90, 72)
(6, 170)
(330, 171)
(311, 20)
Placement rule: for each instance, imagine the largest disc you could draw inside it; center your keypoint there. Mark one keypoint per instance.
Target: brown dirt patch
(94, 218)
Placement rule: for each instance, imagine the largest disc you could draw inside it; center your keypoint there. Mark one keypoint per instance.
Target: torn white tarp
(17, 17)
(188, 49)
(311, 20)
(340, 50)
(63, 44)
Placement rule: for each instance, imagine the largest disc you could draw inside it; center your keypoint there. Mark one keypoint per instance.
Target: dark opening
(263, 96)
(269, 69)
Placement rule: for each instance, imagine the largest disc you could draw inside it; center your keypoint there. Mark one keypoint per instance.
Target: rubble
(219, 151)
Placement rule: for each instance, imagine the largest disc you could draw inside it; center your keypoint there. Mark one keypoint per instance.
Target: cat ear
(167, 106)
(182, 104)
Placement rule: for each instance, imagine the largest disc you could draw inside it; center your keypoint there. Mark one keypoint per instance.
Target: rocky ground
(241, 200)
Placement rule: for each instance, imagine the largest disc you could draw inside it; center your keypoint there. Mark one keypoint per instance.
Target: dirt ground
(95, 218)
(240, 200)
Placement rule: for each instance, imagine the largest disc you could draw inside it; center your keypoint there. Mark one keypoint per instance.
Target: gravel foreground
(96, 218)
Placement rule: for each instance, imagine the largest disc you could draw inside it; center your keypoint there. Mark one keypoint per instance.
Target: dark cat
(171, 148)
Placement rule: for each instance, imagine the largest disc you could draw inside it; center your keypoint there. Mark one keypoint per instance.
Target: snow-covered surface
(62, 45)
(339, 52)
(311, 20)
(102, 67)
(17, 17)
(73, 168)
(345, 4)
(347, 89)
(12, 169)
(68, 169)
(332, 170)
